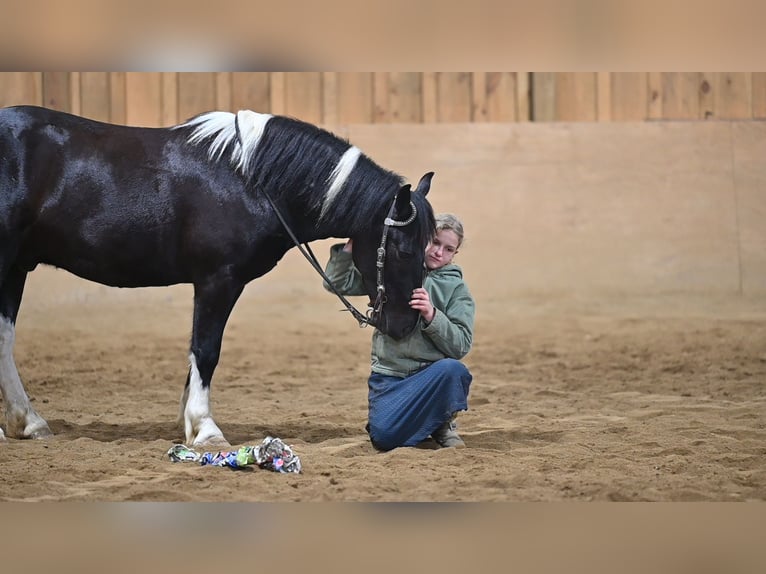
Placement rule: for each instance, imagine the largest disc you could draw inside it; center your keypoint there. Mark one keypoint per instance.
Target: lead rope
(309, 255)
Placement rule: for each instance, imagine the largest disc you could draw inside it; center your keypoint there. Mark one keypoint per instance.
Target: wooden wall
(332, 98)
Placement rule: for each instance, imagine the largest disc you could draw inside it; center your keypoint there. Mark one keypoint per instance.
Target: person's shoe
(446, 435)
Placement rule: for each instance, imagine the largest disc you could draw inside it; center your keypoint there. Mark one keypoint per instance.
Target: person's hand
(422, 302)
(347, 247)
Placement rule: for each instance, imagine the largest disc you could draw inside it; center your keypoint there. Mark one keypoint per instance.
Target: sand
(597, 399)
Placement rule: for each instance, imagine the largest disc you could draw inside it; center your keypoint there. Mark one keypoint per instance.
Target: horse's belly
(136, 264)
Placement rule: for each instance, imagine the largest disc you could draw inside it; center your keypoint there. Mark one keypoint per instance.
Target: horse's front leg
(21, 419)
(213, 301)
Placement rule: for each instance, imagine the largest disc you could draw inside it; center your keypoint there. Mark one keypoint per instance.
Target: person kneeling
(418, 384)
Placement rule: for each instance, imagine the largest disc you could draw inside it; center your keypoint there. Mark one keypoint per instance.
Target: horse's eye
(405, 254)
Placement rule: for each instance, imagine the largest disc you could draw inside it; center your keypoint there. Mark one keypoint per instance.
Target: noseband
(373, 311)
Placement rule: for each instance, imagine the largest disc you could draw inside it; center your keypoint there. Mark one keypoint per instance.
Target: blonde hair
(450, 222)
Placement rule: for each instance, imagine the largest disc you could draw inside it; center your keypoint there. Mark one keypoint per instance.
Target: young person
(418, 384)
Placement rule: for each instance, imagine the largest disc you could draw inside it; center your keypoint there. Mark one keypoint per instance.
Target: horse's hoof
(41, 433)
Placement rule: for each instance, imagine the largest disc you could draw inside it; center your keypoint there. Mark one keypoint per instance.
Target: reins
(373, 311)
(309, 255)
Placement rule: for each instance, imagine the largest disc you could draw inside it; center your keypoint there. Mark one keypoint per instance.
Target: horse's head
(404, 259)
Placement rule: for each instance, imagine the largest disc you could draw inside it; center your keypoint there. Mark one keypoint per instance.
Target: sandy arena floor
(622, 400)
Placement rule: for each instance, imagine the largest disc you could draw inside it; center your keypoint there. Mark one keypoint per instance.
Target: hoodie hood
(449, 271)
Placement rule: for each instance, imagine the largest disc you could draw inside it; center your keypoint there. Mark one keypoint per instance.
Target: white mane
(339, 176)
(221, 129)
(222, 126)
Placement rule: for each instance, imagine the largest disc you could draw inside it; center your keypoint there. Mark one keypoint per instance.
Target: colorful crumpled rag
(271, 454)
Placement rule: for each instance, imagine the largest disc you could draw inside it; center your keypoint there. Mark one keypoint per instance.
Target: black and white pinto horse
(138, 207)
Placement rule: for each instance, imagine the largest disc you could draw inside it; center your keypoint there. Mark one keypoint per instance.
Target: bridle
(380, 288)
(374, 310)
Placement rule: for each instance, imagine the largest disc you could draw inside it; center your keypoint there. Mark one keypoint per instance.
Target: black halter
(374, 310)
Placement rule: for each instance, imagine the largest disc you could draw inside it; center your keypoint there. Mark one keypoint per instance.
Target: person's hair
(450, 222)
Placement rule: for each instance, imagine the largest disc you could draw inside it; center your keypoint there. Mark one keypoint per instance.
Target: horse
(216, 202)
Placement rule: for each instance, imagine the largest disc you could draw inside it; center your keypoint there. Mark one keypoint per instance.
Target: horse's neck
(344, 219)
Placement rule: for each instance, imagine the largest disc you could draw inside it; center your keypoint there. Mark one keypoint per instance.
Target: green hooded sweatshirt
(448, 335)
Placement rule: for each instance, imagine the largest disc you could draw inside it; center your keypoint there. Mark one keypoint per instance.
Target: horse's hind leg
(21, 419)
(213, 302)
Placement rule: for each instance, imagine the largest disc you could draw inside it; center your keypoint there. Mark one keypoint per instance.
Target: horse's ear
(424, 184)
(403, 199)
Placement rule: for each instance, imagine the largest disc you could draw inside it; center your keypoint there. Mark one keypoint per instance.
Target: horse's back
(119, 205)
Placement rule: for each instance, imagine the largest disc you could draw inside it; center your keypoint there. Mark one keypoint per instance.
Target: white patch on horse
(21, 419)
(221, 127)
(251, 127)
(339, 176)
(199, 425)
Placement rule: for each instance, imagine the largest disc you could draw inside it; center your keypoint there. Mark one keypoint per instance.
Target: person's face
(442, 249)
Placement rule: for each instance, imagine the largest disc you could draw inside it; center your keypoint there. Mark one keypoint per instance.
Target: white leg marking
(198, 421)
(339, 176)
(21, 419)
(184, 400)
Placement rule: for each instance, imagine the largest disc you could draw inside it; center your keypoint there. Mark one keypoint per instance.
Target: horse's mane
(286, 155)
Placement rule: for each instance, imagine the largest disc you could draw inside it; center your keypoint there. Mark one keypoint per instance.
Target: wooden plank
(117, 107)
(706, 95)
(575, 96)
(404, 97)
(330, 98)
(143, 92)
(733, 95)
(629, 96)
(500, 95)
(75, 93)
(303, 91)
(21, 88)
(680, 95)
(604, 96)
(196, 93)
(277, 93)
(759, 95)
(430, 93)
(523, 96)
(96, 99)
(479, 113)
(381, 97)
(56, 91)
(250, 91)
(543, 96)
(654, 95)
(454, 103)
(223, 91)
(169, 107)
(354, 97)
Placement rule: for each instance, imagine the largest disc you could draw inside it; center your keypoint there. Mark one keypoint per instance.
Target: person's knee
(455, 368)
(382, 438)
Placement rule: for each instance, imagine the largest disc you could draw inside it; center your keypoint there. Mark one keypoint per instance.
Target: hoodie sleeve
(342, 273)
(451, 329)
